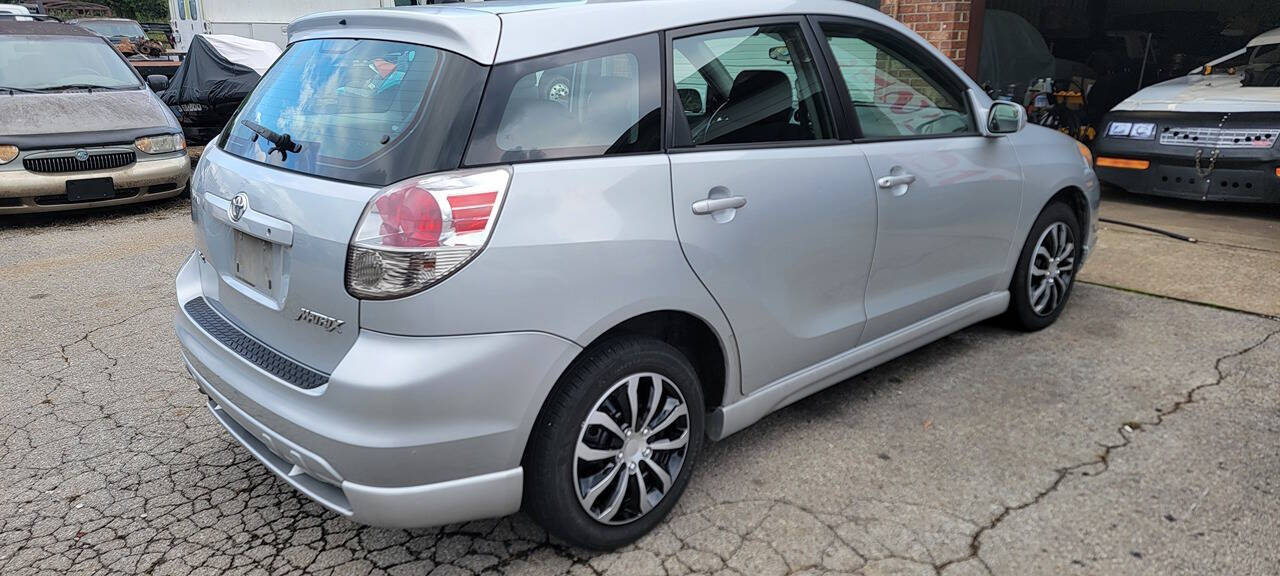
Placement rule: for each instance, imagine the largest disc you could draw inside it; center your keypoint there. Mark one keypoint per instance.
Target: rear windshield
(364, 111)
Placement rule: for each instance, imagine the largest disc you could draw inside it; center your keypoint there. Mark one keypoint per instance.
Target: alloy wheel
(631, 448)
(1052, 269)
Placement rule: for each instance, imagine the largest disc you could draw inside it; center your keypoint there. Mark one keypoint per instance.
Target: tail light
(415, 233)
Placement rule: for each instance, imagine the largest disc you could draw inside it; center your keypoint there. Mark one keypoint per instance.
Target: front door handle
(891, 182)
(713, 205)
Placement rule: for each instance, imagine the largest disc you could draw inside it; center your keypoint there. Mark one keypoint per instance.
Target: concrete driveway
(1137, 436)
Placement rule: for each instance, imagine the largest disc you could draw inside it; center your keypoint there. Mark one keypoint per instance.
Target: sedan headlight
(7, 154)
(162, 144)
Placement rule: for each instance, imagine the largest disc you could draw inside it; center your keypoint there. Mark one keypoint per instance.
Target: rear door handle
(891, 182)
(713, 205)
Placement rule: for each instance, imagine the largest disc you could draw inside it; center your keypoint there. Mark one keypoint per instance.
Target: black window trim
(945, 75)
(679, 141)
(475, 139)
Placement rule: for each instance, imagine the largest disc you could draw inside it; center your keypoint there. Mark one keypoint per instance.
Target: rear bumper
(22, 191)
(407, 432)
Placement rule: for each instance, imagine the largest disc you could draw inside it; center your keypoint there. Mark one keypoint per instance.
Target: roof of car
(1266, 38)
(507, 30)
(78, 20)
(41, 28)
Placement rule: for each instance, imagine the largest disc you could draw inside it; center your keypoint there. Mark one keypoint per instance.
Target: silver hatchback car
(450, 265)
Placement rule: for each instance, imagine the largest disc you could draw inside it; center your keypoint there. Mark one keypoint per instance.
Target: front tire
(615, 444)
(1046, 270)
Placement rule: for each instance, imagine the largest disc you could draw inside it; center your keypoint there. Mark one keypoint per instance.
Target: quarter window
(895, 94)
(596, 101)
(756, 85)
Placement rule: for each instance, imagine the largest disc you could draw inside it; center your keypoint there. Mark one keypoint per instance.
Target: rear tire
(587, 444)
(1046, 271)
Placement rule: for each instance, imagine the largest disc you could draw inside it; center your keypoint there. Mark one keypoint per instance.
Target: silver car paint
(942, 240)
(321, 219)
(789, 268)
(431, 400)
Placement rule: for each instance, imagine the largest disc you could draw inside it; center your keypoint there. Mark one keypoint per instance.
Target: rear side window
(584, 103)
(754, 85)
(363, 111)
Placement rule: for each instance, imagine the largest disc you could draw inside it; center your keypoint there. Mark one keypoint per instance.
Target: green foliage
(140, 10)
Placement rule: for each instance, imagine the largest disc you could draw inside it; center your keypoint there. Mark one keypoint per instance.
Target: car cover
(219, 70)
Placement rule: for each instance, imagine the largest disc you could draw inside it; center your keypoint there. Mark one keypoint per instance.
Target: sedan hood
(63, 112)
(1199, 93)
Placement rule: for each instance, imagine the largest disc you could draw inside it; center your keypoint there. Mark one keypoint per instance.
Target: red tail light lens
(415, 233)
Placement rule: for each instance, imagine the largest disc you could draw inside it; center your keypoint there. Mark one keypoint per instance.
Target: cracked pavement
(1137, 436)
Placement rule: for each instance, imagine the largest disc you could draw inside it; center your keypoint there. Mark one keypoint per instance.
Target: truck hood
(63, 112)
(1198, 93)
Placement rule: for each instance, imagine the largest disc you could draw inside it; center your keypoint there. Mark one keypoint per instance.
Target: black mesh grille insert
(70, 163)
(251, 350)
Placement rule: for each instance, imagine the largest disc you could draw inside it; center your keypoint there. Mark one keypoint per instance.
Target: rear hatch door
(278, 197)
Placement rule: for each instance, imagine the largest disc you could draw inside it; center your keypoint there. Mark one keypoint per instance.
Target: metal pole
(1145, 52)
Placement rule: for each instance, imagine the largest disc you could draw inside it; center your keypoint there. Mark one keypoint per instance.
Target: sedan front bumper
(22, 191)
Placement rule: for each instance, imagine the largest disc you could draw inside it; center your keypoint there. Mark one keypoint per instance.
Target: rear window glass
(364, 111)
(590, 102)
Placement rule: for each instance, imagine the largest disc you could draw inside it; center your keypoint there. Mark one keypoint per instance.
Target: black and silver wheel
(613, 449)
(1046, 269)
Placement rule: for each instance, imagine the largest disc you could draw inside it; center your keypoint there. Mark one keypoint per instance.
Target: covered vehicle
(1209, 135)
(82, 128)
(217, 74)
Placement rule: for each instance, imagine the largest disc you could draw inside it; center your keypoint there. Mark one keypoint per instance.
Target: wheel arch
(712, 355)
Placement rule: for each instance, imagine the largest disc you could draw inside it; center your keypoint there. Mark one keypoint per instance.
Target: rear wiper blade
(283, 142)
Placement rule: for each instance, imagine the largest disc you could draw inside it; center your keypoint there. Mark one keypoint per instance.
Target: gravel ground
(1137, 436)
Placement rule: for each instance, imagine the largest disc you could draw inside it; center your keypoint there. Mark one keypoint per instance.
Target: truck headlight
(7, 154)
(161, 144)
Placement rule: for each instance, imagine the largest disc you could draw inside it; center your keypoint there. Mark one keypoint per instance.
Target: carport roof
(42, 28)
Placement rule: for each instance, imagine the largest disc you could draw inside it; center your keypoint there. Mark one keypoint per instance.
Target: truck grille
(69, 163)
(1220, 137)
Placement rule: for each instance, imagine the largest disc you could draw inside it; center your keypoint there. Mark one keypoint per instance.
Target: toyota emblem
(239, 204)
(82, 154)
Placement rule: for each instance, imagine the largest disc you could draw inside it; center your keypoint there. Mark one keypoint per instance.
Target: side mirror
(1005, 118)
(158, 82)
(691, 100)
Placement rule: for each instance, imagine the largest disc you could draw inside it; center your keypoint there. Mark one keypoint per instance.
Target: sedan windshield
(114, 28)
(51, 63)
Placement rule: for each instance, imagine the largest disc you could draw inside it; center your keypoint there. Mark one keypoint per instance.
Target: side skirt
(728, 420)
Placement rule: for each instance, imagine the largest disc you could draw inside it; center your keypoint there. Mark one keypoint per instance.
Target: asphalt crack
(1103, 460)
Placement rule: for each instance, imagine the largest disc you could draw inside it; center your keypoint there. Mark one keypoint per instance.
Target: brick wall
(944, 23)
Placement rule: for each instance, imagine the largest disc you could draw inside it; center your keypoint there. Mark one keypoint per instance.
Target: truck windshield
(114, 28)
(363, 111)
(65, 63)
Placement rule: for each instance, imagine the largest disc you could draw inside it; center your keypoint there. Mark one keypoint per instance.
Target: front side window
(364, 111)
(895, 95)
(182, 9)
(754, 85)
(596, 101)
(66, 63)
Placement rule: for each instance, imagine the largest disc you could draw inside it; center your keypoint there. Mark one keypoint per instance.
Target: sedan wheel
(1052, 268)
(615, 444)
(1047, 268)
(631, 448)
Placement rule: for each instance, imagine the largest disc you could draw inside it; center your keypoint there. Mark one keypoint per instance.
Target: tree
(140, 10)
